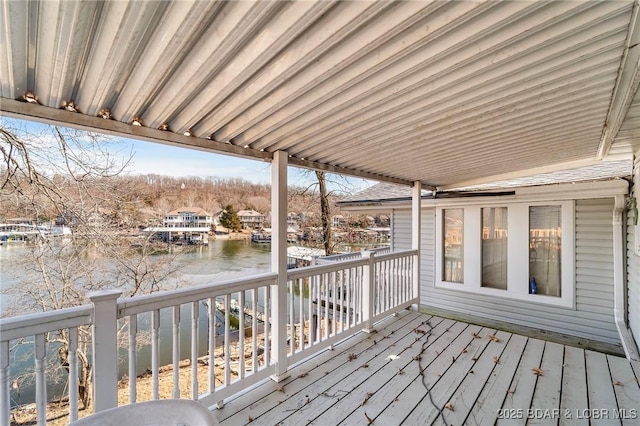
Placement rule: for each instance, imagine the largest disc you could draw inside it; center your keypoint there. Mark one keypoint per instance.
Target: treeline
(140, 200)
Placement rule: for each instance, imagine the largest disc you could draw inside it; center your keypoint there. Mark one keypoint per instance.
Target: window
(494, 247)
(453, 249)
(497, 249)
(545, 242)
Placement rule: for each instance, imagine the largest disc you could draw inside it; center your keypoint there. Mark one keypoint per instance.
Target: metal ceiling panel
(441, 92)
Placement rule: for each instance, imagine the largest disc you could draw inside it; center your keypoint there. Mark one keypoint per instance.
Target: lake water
(218, 261)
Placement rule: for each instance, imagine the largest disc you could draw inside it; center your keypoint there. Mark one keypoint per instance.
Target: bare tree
(325, 197)
(72, 176)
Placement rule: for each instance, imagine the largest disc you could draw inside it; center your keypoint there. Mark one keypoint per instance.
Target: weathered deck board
(626, 389)
(523, 384)
(546, 397)
(268, 395)
(465, 397)
(320, 397)
(574, 387)
(361, 399)
(436, 378)
(485, 381)
(380, 400)
(599, 386)
(493, 394)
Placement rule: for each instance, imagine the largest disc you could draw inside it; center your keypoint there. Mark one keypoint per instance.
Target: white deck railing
(325, 304)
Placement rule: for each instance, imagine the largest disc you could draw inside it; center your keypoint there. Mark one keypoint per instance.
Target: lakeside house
(454, 101)
(188, 217)
(185, 225)
(251, 219)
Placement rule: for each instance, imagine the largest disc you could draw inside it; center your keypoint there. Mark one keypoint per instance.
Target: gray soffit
(385, 193)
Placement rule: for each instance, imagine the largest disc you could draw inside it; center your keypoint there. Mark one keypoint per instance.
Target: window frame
(517, 252)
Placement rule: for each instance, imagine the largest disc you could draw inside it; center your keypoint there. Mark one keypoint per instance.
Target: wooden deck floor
(470, 375)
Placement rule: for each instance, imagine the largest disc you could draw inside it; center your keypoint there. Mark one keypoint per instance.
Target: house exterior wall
(592, 317)
(633, 260)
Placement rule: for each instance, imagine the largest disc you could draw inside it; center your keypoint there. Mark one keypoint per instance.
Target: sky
(155, 158)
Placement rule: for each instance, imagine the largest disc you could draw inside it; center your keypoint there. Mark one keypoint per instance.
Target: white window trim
(518, 253)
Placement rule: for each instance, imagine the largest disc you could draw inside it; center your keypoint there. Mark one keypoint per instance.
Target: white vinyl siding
(592, 317)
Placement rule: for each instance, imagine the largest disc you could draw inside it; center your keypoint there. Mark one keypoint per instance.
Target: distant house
(339, 221)
(251, 219)
(186, 225)
(188, 217)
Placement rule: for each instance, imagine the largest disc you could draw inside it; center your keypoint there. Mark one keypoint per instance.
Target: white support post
(415, 238)
(105, 349)
(368, 291)
(279, 262)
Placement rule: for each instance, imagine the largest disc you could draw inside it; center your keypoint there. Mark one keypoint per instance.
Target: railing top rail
(139, 304)
(44, 322)
(395, 255)
(309, 271)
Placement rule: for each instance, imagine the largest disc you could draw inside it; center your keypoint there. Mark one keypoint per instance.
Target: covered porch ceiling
(446, 93)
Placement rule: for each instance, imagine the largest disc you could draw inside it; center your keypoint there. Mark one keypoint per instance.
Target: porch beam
(416, 193)
(314, 165)
(279, 263)
(60, 117)
(626, 85)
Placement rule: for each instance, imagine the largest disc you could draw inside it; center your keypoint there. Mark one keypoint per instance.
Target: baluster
(349, 297)
(73, 374)
(336, 301)
(393, 281)
(175, 332)
(292, 326)
(401, 280)
(195, 313)
(310, 300)
(227, 339)
(211, 313)
(327, 305)
(402, 263)
(384, 305)
(133, 362)
(241, 337)
(344, 301)
(41, 380)
(323, 294)
(267, 325)
(301, 311)
(155, 352)
(5, 390)
(369, 293)
(254, 330)
(406, 271)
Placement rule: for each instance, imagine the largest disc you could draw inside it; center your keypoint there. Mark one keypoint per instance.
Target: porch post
(105, 349)
(415, 239)
(369, 293)
(279, 263)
